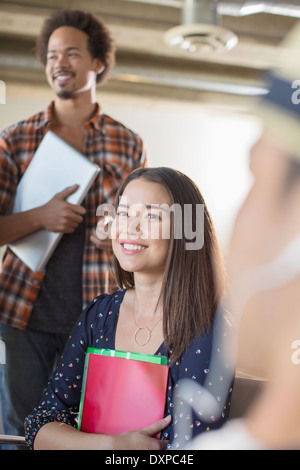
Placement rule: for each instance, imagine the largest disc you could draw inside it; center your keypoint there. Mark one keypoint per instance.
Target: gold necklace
(139, 328)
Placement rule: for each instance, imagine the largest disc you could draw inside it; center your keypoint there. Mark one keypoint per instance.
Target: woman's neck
(147, 301)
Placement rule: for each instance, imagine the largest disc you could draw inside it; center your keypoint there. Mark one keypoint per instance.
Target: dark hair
(100, 42)
(293, 174)
(194, 280)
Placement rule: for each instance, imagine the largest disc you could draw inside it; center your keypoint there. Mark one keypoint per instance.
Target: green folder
(130, 355)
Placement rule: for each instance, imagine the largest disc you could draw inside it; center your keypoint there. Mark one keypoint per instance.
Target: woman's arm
(61, 436)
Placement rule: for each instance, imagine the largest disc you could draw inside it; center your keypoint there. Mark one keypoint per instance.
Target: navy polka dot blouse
(96, 327)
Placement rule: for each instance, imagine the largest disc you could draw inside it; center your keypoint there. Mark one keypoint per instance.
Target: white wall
(210, 146)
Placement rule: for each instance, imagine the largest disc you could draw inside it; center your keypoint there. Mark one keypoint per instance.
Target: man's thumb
(67, 191)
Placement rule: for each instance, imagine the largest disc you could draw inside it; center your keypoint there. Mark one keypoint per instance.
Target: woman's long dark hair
(194, 279)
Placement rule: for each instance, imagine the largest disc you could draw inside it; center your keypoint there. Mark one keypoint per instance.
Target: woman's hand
(143, 439)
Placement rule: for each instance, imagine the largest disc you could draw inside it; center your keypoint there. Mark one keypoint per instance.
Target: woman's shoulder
(100, 313)
(106, 303)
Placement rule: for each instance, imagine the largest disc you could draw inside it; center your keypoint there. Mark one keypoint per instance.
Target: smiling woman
(147, 193)
(165, 306)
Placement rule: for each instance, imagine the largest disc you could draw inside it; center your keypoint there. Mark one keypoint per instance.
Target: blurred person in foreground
(264, 265)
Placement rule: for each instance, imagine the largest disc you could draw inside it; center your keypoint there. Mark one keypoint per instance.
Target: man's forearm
(15, 226)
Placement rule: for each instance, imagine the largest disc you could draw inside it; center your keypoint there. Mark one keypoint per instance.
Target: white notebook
(54, 166)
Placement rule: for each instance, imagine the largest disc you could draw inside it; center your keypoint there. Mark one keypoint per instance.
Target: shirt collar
(47, 116)
(96, 120)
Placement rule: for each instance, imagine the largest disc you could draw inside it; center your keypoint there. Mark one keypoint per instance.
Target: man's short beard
(65, 94)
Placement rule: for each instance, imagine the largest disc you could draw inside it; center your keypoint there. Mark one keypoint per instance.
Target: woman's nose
(134, 225)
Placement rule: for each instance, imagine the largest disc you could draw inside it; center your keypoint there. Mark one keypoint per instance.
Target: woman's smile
(129, 247)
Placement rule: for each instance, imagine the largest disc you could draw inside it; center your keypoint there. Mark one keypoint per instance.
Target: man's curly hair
(100, 42)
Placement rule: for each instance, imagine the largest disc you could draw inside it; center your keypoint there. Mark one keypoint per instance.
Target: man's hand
(101, 237)
(101, 244)
(58, 215)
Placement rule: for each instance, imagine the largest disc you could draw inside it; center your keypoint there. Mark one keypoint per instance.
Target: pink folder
(121, 394)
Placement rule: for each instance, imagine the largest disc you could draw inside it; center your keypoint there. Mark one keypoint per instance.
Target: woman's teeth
(130, 247)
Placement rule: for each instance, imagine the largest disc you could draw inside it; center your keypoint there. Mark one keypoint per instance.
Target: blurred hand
(101, 244)
(101, 237)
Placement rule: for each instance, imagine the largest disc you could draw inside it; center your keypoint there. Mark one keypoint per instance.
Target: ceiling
(145, 63)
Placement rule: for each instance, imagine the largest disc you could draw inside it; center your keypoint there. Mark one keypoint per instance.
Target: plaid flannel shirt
(117, 150)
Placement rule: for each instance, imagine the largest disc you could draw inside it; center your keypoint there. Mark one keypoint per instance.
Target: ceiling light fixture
(200, 31)
(201, 38)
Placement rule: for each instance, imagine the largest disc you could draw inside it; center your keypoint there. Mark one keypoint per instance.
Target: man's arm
(57, 215)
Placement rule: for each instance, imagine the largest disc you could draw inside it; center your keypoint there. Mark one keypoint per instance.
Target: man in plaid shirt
(38, 310)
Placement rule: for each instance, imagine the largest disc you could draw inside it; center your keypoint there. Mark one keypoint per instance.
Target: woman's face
(141, 229)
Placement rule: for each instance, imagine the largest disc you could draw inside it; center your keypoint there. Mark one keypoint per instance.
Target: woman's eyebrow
(148, 206)
(156, 206)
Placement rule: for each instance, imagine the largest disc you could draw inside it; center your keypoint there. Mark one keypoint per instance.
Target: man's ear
(99, 66)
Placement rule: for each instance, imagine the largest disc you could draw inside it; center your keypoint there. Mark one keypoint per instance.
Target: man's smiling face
(70, 68)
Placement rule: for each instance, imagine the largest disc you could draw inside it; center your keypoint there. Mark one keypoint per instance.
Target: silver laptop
(55, 166)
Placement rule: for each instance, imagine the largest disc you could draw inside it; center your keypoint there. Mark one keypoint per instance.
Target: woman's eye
(152, 216)
(122, 213)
